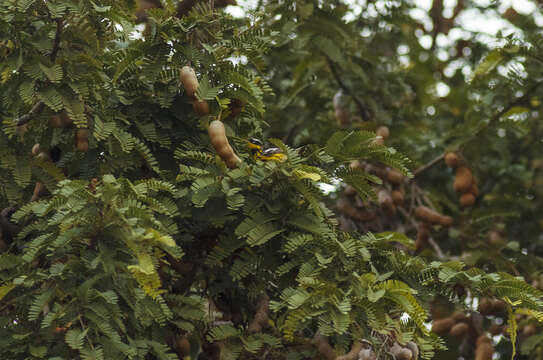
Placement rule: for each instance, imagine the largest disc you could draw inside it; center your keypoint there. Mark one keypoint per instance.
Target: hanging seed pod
(217, 136)
(459, 329)
(498, 306)
(452, 159)
(261, 316)
(433, 217)
(82, 139)
(352, 354)
(189, 80)
(385, 202)
(467, 200)
(485, 306)
(142, 6)
(182, 346)
(463, 180)
(398, 195)
(395, 177)
(366, 354)
(495, 329)
(414, 349)
(474, 188)
(237, 106)
(39, 191)
(378, 141)
(401, 353)
(459, 316)
(484, 349)
(35, 149)
(423, 234)
(442, 326)
(323, 346)
(383, 131)
(201, 107)
(60, 120)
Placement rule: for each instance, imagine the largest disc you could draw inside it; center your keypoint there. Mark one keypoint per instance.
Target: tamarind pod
(352, 354)
(376, 170)
(142, 6)
(385, 202)
(498, 306)
(495, 329)
(398, 195)
(182, 346)
(423, 234)
(201, 107)
(44, 156)
(484, 351)
(474, 188)
(463, 179)
(383, 131)
(323, 346)
(39, 190)
(355, 164)
(467, 200)
(459, 316)
(445, 221)
(529, 330)
(451, 159)
(82, 139)
(400, 353)
(261, 316)
(236, 106)
(428, 215)
(366, 354)
(343, 116)
(395, 177)
(189, 80)
(459, 329)
(360, 215)
(217, 136)
(485, 306)
(36, 149)
(414, 349)
(442, 326)
(378, 141)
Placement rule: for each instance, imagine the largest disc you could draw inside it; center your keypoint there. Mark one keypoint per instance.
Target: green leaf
(489, 63)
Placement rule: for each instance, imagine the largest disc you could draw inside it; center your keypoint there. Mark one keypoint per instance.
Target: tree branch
(36, 109)
(363, 111)
(428, 165)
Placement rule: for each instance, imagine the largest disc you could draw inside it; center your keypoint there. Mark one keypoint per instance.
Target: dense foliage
(130, 229)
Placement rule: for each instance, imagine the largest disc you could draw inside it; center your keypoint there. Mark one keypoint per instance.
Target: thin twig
(363, 111)
(36, 109)
(428, 165)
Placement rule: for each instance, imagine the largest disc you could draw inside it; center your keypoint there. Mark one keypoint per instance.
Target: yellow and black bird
(259, 153)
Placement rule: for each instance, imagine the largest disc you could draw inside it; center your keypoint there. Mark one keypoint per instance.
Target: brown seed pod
(366, 354)
(60, 120)
(400, 353)
(383, 131)
(495, 329)
(362, 215)
(433, 217)
(376, 170)
(452, 159)
(142, 6)
(182, 346)
(495, 239)
(39, 190)
(82, 139)
(343, 116)
(459, 329)
(378, 141)
(442, 326)
(474, 188)
(217, 136)
(529, 330)
(189, 80)
(36, 149)
(498, 306)
(467, 200)
(44, 156)
(355, 164)
(385, 202)
(323, 346)
(459, 316)
(463, 180)
(398, 195)
(414, 349)
(423, 234)
(485, 306)
(261, 316)
(484, 349)
(237, 106)
(201, 107)
(395, 177)
(352, 354)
